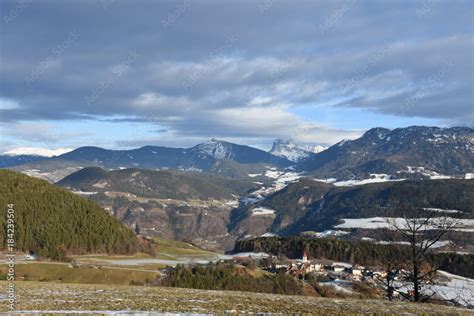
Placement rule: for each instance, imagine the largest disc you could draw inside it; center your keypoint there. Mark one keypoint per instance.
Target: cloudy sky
(121, 74)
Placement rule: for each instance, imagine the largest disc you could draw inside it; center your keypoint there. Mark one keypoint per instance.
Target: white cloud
(8, 104)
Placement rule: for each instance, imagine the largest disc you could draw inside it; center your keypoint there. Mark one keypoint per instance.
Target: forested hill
(164, 184)
(53, 222)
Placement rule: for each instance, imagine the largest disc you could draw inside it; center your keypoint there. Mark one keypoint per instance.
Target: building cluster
(303, 266)
(325, 268)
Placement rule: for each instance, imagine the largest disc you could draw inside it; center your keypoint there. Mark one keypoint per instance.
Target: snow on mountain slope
(34, 151)
(216, 149)
(315, 149)
(291, 151)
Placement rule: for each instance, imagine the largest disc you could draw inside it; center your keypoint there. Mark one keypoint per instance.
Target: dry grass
(82, 297)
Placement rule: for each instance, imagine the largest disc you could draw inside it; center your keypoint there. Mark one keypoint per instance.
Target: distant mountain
(25, 155)
(201, 157)
(417, 151)
(54, 223)
(16, 160)
(34, 151)
(239, 153)
(314, 148)
(291, 151)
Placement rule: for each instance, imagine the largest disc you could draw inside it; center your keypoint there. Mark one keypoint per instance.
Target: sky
(123, 74)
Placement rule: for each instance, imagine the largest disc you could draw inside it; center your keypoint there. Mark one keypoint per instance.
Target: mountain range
(198, 158)
(218, 192)
(412, 152)
(402, 152)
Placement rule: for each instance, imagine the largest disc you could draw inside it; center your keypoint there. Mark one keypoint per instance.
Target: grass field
(59, 272)
(42, 296)
(165, 249)
(175, 248)
(105, 269)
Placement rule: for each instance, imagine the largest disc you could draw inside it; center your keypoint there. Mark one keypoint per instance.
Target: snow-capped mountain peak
(215, 148)
(291, 151)
(33, 151)
(314, 149)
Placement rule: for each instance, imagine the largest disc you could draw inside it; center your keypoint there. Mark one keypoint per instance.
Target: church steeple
(305, 254)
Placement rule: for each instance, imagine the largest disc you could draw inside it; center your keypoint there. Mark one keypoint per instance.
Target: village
(340, 275)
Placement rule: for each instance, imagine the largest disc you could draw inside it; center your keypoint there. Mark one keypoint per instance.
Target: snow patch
(84, 193)
(254, 255)
(374, 178)
(269, 235)
(440, 210)
(331, 233)
(423, 171)
(262, 211)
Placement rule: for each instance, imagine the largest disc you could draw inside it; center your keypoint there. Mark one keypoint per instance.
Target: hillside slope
(309, 205)
(103, 299)
(192, 206)
(53, 222)
(163, 184)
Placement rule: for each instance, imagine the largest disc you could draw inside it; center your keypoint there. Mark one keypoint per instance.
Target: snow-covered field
(374, 178)
(457, 288)
(339, 285)
(329, 233)
(423, 171)
(254, 255)
(440, 210)
(449, 287)
(438, 244)
(389, 222)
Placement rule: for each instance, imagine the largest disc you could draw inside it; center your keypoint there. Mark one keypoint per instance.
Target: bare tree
(392, 269)
(422, 229)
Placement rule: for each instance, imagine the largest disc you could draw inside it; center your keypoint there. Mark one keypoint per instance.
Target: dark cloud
(221, 67)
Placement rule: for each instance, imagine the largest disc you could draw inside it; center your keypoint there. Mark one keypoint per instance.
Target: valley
(203, 216)
(242, 157)
(216, 193)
